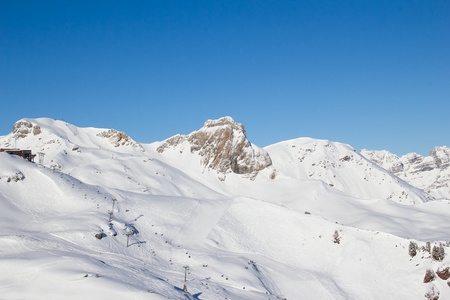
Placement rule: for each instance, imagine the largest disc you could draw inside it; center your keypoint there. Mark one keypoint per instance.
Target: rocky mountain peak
(23, 128)
(223, 146)
(441, 156)
(224, 121)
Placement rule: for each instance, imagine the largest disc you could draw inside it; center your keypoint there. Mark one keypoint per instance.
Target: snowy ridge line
(431, 173)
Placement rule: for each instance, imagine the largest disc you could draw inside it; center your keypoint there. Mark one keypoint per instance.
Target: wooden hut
(26, 154)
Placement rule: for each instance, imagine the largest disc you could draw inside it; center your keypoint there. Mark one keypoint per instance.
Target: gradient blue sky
(373, 74)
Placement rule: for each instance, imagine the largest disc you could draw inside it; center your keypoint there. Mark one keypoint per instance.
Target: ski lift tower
(41, 158)
(186, 269)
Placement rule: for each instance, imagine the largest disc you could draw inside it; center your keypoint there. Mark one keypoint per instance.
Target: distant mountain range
(431, 173)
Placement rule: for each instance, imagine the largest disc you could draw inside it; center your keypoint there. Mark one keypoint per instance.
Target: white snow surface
(269, 236)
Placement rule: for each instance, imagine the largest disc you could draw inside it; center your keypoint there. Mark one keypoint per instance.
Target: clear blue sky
(373, 74)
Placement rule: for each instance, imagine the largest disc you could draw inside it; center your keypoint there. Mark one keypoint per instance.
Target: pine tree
(441, 252)
(412, 249)
(428, 247)
(438, 252)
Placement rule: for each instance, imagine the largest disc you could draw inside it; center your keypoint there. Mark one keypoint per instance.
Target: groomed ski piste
(105, 217)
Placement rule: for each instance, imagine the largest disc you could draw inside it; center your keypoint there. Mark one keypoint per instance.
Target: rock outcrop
(431, 173)
(443, 273)
(23, 128)
(223, 146)
(117, 138)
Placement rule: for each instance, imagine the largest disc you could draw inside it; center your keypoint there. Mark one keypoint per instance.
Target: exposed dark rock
(429, 276)
(443, 273)
(99, 235)
(345, 158)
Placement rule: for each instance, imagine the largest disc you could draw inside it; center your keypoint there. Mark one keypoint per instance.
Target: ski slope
(269, 235)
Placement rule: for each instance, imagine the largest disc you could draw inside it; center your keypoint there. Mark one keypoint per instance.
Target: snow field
(242, 237)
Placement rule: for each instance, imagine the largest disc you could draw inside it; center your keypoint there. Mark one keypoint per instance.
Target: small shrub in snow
(345, 158)
(17, 176)
(272, 175)
(433, 293)
(438, 252)
(412, 250)
(336, 237)
(429, 276)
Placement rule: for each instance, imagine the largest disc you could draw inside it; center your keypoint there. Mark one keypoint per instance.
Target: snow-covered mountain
(431, 173)
(342, 168)
(42, 134)
(106, 217)
(223, 146)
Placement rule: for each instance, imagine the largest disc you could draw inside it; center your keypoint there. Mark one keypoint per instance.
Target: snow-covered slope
(431, 173)
(43, 133)
(282, 234)
(342, 168)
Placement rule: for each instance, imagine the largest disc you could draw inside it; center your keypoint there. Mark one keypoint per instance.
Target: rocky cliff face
(431, 173)
(117, 138)
(441, 157)
(223, 146)
(23, 128)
